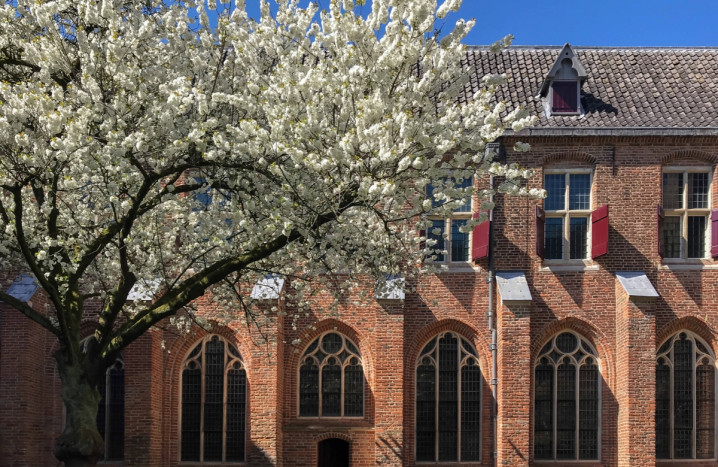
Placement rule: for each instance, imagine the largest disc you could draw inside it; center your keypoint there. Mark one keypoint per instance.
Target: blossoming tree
(140, 144)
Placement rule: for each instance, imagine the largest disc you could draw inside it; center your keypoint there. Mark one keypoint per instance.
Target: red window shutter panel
(540, 232)
(599, 232)
(714, 233)
(480, 239)
(660, 215)
(565, 96)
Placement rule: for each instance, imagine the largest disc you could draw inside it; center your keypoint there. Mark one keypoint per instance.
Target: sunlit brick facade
(605, 324)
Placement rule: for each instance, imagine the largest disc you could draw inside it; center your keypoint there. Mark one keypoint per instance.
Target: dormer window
(561, 89)
(564, 97)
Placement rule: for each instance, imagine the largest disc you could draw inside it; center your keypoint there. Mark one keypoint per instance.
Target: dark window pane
(353, 391)
(436, 232)
(705, 411)
(698, 190)
(696, 236)
(115, 438)
(663, 410)
(191, 413)
(672, 237)
(566, 411)
(331, 389)
(555, 186)
(332, 342)
(672, 191)
(470, 411)
(543, 412)
(579, 191)
(588, 411)
(236, 413)
(554, 238)
(213, 399)
(579, 237)
(425, 412)
(682, 398)
(448, 398)
(459, 241)
(465, 183)
(309, 389)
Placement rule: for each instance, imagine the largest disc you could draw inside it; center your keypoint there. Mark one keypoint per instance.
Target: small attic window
(564, 97)
(564, 89)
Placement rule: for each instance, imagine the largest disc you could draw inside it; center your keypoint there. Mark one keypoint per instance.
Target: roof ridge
(599, 47)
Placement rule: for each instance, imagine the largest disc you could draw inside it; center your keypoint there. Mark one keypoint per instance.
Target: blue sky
(602, 22)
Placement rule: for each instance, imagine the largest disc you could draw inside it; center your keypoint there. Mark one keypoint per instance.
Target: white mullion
(224, 402)
(566, 253)
(458, 398)
(671, 398)
(555, 408)
(436, 407)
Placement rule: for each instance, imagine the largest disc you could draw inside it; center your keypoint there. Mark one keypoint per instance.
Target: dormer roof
(627, 90)
(567, 59)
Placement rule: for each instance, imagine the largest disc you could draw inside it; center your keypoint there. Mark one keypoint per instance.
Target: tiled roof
(626, 88)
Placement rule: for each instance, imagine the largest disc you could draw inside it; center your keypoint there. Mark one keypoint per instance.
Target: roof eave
(615, 131)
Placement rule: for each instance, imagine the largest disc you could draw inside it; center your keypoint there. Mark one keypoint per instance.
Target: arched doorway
(333, 452)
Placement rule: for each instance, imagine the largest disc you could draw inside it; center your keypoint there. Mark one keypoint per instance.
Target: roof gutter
(615, 131)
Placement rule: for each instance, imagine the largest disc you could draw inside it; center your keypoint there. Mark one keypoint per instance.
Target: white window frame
(591, 350)
(669, 361)
(684, 212)
(306, 355)
(566, 214)
(456, 215)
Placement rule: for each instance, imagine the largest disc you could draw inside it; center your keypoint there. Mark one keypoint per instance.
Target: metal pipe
(492, 329)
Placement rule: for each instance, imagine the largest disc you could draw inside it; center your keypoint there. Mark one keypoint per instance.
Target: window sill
(558, 463)
(678, 264)
(571, 265)
(440, 268)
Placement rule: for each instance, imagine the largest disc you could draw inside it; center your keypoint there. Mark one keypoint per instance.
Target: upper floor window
(566, 400)
(214, 395)
(683, 217)
(448, 401)
(568, 210)
(685, 399)
(452, 237)
(331, 378)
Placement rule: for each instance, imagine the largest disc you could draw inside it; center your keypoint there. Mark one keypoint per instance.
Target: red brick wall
(390, 335)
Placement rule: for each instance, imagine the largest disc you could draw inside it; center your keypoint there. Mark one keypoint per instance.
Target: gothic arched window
(214, 394)
(448, 401)
(566, 400)
(331, 378)
(685, 399)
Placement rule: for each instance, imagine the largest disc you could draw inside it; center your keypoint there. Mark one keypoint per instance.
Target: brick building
(603, 299)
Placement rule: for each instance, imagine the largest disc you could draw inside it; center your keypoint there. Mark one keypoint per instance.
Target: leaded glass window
(451, 239)
(685, 399)
(331, 378)
(568, 209)
(214, 397)
(448, 401)
(686, 206)
(111, 410)
(566, 400)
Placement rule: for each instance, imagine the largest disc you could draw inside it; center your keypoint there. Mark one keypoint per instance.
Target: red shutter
(599, 232)
(660, 216)
(714, 233)
(565, 96)
(540, 229)
(480, 239)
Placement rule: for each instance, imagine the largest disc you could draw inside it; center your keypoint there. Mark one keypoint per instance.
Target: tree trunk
(80, 444)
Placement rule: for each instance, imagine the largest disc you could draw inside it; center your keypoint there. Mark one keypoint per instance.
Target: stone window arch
(685, 398)
(448, 401)
(331, 378)
(213, 403)
(567, 399)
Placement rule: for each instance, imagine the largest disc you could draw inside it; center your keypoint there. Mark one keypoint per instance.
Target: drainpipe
(492, 328)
